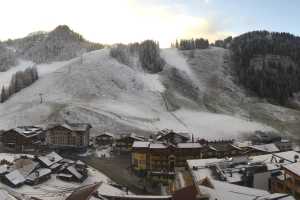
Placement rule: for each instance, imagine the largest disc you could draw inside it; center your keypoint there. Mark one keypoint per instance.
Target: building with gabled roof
(158, 158)
(23, 138)
(68, 136)
(105, 138)
(170, 136)
(124, 142)
(288, 181)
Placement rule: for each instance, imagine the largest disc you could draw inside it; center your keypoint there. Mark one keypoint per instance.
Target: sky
(125, 21)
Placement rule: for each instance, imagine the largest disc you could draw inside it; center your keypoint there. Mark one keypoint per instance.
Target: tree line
(7, 58)
(223, 43)
(189, 44)
(147, 51)
(276, 74)
(19, 81)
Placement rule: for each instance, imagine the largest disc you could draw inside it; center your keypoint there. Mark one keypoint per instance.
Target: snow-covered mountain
(60, 44)
(195, 92)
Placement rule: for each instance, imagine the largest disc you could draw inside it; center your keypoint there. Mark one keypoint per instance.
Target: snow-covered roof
(106, 134)
(157, 146)
(224, 191)
(81, 127)
(189, 145)
(55, 165)
(287, 157)
(294, 168)
(165, 132)
(137, 137)
(15, 177)
(200, 167)
(65, 175)
(50, 158)
(269, 148)
(139, 144)
(79, 162)
(38, 173)
(243, 144)
(74, 172)
(27, 131)
(84, 193)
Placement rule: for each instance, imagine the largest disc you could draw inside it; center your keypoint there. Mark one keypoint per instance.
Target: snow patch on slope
(152, 82)
(43, 69)
(175, 59)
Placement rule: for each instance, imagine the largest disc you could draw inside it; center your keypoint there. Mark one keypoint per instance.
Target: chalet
(23, 139)
(162, 158)
(105, 139)
(288, 181)
(68, 136)
(125, 141)
(170, 136)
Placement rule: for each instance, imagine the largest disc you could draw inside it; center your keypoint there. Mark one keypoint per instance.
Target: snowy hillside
(193, 93)
(59, 44)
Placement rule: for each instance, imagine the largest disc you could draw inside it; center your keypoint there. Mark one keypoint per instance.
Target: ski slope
(114, 97)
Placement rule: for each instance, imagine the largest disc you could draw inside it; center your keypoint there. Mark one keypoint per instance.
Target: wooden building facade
(66, 136)
(124, 142)
(105, 139)
(154, 157)
(289, 181)
(161, 157)
(23, 139)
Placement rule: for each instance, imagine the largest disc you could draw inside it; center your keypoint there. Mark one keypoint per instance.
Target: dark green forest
(268, 64)
(189, 44)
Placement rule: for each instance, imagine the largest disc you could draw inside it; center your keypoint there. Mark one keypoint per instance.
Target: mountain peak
(64, 28)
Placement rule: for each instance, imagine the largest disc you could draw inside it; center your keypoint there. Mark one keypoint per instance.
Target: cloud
(209, 28)
(108, 21)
